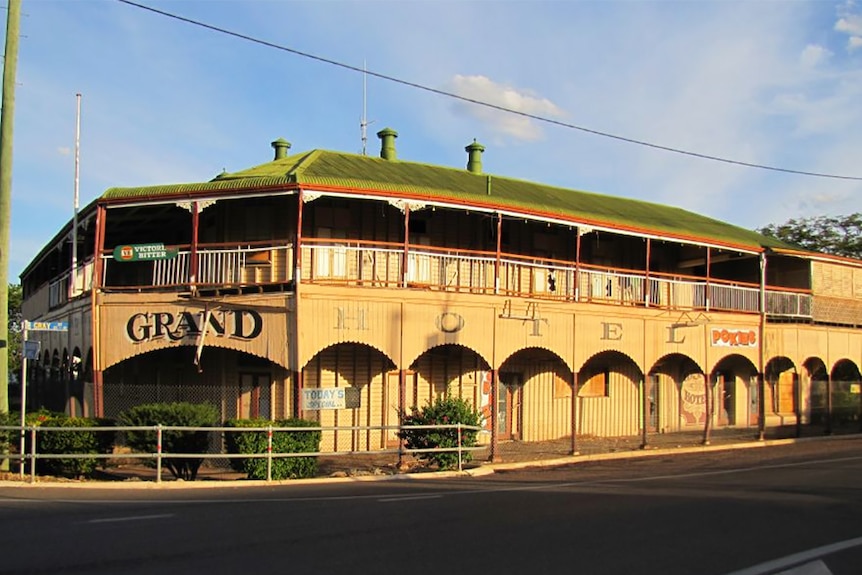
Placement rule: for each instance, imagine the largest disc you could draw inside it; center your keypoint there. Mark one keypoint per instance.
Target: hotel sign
(143, 252)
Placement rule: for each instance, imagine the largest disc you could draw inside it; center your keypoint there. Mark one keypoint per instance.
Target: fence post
(32, 454)
(460, 466)
(159, 453)
(269, 453)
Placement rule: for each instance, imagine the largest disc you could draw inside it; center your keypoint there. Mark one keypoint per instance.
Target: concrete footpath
(510, 455)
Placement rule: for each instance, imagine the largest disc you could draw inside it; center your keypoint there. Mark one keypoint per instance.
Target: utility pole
(6, 118)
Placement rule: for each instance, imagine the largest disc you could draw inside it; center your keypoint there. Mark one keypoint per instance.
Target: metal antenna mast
(363, 123)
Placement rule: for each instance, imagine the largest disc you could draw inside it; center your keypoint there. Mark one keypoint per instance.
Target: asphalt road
(706, 514)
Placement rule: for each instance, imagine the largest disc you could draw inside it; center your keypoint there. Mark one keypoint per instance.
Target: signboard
(32, 349)
(47, 326)
(142, 252)
(316, 399)
(733, 337)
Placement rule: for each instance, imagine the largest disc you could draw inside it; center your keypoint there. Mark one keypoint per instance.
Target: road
(705, 514)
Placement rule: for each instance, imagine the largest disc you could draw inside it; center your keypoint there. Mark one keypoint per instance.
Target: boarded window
(596, 386)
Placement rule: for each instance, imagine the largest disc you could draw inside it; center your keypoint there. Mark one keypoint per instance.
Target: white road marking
(396, 499)
(800, 558)
(132, 518)
(816, 568)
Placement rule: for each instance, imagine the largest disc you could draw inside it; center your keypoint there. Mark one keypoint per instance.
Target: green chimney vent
(387, 149)
(474, 158)
(281, 146)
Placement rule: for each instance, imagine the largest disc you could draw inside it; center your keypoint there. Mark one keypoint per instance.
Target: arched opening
(781, 389)
(675, 394)
(351, 385)
(240, 385)
(534, 396)
(816, 382)
(845, 394)
(734, 392)
(609, 396)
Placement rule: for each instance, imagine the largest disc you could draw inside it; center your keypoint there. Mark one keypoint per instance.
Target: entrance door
(508, 405)
(726, 399)
(254, 396)
(753, 411)
(652, 393)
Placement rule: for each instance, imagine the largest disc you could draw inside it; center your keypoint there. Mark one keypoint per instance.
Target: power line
(483, 103)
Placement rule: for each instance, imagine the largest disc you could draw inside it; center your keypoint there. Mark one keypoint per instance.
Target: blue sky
(766, 82)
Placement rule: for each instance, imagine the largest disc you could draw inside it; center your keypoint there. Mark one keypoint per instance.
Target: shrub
(173, 441)
(443, 411)
(68, 442)
(8, 436)
(282, 442)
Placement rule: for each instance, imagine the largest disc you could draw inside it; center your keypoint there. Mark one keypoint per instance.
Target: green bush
(443, 411)
(173, 441)
(8, 436)
(282, 442)
(68, 442)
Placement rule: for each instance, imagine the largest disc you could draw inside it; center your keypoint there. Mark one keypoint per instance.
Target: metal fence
(216, 436)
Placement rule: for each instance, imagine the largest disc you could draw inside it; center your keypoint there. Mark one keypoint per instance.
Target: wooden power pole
(6, 119)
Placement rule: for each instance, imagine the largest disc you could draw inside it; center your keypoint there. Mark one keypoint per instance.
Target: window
(596, 386)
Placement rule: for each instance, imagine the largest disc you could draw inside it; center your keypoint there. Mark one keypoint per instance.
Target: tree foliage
(14, 336)
(837, 235)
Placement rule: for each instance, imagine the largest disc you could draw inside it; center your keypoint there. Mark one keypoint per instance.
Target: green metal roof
(336, 170)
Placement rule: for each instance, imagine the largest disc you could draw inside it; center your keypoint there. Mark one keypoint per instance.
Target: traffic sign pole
(25, 325)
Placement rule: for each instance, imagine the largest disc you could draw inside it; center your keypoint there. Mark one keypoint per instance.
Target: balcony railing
(387, 264)
(218, 267)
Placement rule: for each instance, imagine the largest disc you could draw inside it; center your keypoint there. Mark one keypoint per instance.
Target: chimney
(474, 157)
(387, 149)
(281, 146)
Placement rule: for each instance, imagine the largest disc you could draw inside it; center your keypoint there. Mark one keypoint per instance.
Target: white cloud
(64, 150)
(850, 23)
(813, 55)
(482, 88)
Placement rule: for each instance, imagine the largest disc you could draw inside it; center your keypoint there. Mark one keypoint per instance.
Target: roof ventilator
(281, 146)
(474, 158)
(387, 138)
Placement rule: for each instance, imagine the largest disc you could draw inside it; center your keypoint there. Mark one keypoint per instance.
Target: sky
(770, 82)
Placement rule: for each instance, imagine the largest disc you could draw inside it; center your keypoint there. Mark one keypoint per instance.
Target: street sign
(142, 252)
(32, 349)
(47, 325)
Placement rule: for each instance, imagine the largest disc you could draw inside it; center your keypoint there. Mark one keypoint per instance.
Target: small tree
(443, 411)
(173, 441)
(71, 442)
(255, 442)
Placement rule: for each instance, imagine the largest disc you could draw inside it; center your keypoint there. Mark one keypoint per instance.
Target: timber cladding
(404, 326)
(133, 325)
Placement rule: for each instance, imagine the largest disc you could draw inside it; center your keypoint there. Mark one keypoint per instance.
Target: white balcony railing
(383, 265)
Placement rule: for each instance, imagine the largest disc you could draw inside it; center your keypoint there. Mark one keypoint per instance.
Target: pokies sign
(722, 337)
(244, 324)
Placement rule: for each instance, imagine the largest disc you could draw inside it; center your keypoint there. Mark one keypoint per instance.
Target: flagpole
(74, 287)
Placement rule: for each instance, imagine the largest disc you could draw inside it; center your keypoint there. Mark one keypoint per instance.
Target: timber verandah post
(296, 373)
(573, 448)
(98, 271)
(494, 456)
(761, 376)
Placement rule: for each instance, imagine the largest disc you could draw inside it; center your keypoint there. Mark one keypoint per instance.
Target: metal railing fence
(160, 455)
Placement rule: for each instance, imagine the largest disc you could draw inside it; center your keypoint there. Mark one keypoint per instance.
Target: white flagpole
(74, 278)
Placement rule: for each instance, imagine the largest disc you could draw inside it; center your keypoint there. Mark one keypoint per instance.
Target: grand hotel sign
(246, 324)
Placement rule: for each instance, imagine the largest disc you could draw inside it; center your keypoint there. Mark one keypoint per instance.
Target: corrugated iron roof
(327, 169)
